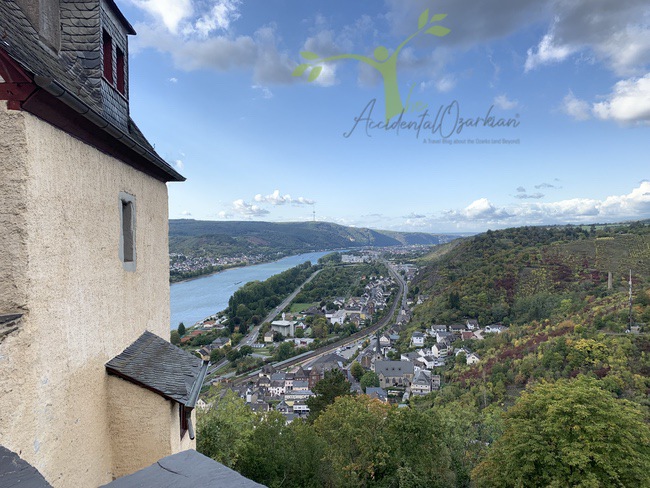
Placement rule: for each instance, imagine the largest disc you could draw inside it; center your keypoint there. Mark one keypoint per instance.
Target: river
(191, 301)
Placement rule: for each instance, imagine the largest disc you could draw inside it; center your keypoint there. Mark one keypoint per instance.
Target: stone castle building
(90, 389)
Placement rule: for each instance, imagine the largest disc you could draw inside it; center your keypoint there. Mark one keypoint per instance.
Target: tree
(216, 355)
(461, 358)
(245, 351)
(369, 379)
(284, 351)
(569, 433)
(300, 332)
(354, 430)
(332, 385)
(278, 454)
(181, 329)
(175, 337)
(223, 431)
(357, 370)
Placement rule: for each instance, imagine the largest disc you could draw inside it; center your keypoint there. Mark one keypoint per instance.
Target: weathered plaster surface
(59, 266)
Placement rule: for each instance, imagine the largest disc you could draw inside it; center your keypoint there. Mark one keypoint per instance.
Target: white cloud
(303, 201)
(267, 94)
(629, 102)
(247, 209)
(219, 17)
(186, 213)
(548, 51)
(546, 185)
(169, 12)
(445, 84)
(173, 80)
(576, 108)
(529, 196)
(504, 103)
(634, 205)
(179, 165)
(327, 76)
(276, 198)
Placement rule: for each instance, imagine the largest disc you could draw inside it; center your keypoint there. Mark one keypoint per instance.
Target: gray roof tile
(156, 364)
(15, 472)
(186, 469)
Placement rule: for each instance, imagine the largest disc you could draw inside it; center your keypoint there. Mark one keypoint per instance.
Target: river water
(191, 301)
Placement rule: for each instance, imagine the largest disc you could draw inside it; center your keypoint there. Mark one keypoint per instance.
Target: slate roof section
(155, 364)
(186, 469)
(73, 74)
(393, 368)
(17, 473)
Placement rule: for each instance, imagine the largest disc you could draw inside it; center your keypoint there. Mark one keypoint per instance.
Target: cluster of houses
(356, 310)
(181, 263)
(287, 392)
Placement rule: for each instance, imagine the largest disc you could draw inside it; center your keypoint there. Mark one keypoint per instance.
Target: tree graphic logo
(383, 62)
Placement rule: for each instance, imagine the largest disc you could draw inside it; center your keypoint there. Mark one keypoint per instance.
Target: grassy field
(300, 307)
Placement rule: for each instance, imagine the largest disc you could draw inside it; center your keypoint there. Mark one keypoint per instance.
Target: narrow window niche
(107, 48)
(127, 231)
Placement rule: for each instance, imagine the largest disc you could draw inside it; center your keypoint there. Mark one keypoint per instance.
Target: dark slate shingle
(162, 367)
(186, 469)
(15, 472)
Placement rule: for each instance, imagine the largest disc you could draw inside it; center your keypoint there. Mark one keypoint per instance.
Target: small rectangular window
(119, 65)
(107, 46)
(127, 231)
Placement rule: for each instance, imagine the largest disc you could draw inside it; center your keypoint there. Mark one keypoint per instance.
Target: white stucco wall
(81, 307)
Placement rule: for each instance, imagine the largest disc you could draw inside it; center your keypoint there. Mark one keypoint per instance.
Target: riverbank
(210, 273)
(193, 300)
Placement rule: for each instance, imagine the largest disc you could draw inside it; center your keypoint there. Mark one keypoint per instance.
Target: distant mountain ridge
(247, 236)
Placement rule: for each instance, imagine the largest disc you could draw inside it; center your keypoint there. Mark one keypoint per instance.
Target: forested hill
(524, 274)
(230, 238)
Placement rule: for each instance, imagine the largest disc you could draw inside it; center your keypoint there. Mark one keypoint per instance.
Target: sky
(529, 112)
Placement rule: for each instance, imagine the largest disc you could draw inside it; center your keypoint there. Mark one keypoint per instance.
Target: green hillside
(523, 274)
(229, 238)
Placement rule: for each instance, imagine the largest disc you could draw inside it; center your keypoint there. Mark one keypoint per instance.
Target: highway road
(352, 339)
(251, 337)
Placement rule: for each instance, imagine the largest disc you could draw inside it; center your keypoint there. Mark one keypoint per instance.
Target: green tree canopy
(569, 433)
(369, 378)
(357, 370)
(332, 385)
(181, 329)
(224, 430)
(175, 337)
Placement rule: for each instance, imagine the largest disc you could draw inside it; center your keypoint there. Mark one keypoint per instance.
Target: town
(392, 363)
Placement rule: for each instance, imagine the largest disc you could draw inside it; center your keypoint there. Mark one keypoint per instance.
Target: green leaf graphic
(438, 30)
(424, 17)
(300, 69)
(309, 55)
(437, 17)
(315, 73)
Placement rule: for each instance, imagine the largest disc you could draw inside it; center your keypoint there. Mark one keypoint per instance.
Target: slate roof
(75, 71)
(375, 392)
(159, 366)
(186, 469)
(15, 472)
(393, 368)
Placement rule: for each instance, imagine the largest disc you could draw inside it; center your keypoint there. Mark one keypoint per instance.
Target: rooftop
(186, 469)
(159, 366)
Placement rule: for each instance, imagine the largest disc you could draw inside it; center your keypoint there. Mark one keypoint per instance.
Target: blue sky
(212, 87)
